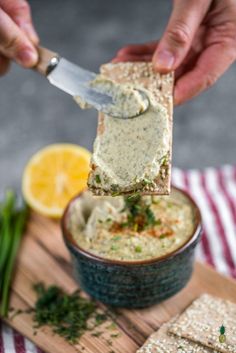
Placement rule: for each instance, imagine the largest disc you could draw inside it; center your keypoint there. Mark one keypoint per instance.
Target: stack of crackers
(197, 329)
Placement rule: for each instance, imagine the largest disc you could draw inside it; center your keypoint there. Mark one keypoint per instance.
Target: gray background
(34, 114)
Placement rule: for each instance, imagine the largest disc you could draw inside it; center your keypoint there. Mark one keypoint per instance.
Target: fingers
(146, 48)
(19, 11)
(206, 71)
(136, 52)
(132, 58)
(185, 19)
(4, 65)
(14, 44)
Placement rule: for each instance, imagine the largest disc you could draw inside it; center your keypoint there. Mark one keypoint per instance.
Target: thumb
(185, 19)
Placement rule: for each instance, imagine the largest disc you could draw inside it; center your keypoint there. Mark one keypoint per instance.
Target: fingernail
(27, 57)
(164, 60)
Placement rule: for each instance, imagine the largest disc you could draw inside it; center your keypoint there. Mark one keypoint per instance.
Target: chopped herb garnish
(155, 201)
(150, 216)
(67, 314)
(100, 221)
(146, 182)
(116, 238)
(114, 247)
(114, 187)
(124, 224)
(158, 222)
(139, 213)
(112, 326)
(138, 248)
(97, 334)
(133, 196)
(162, 236)
(100, 318)
(115, 193)
(97, 179)
(115, 190)
(115, 335)
(164, 160)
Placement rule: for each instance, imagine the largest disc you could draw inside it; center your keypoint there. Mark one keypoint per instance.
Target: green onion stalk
(12, 224)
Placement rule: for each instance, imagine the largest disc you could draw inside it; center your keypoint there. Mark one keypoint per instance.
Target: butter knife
(73, 80)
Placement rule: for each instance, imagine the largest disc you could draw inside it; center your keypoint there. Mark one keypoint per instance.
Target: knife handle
(47, 61)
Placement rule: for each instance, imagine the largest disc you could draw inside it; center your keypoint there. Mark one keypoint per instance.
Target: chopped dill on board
(67, 314)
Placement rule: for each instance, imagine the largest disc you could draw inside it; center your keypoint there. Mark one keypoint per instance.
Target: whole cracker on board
(162, 342)
(161, 86)
(201, 322)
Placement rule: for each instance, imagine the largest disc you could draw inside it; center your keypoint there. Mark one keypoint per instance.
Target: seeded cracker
(162, 342)
(108, 156)
(201, 322)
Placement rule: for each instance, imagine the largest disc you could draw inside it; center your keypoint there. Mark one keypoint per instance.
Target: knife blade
(71, 78)
(75, 81)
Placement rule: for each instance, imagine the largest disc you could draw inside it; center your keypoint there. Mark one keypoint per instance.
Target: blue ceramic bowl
(134, 284)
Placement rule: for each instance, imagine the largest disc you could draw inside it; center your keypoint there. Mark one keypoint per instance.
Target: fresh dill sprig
(139, 213)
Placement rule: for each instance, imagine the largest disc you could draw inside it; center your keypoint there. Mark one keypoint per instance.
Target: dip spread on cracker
(134, 155)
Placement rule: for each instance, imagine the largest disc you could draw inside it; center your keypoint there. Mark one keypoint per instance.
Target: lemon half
(53, 176)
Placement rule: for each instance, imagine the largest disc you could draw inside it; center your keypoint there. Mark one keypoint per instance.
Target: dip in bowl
(133, 251)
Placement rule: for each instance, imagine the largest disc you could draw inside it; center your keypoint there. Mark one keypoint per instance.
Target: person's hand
(199, 43)
(17, 35)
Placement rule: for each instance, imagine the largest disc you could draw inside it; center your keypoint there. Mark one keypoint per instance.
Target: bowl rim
(68, 238)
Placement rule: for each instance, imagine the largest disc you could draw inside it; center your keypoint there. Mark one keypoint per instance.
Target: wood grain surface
(43, 257)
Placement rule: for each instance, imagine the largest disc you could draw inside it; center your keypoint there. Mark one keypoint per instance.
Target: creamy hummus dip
(127, 101)
(132, 228)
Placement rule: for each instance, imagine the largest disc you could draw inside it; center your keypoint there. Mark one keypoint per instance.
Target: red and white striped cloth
(214, 190)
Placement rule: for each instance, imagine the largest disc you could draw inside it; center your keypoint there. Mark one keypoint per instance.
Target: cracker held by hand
(134, 155)
(162, 342)
(201, 321)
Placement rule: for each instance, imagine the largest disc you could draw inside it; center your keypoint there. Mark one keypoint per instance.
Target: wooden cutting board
(43, 257)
